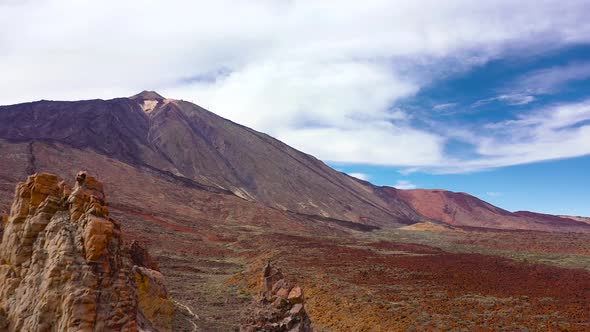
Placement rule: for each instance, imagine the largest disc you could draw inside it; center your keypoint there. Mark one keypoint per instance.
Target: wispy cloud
(515, 99)
(404, 184)
(553, 132)
(444, 106)
(494, 193)
(523, 89)
(551, 80)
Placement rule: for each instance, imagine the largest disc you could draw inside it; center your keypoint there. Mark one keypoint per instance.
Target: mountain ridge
(190, 144)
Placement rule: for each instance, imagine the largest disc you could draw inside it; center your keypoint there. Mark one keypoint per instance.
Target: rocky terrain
(214, 201)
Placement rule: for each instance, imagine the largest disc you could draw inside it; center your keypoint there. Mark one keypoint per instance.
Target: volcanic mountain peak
(147, 95)
(148, 100)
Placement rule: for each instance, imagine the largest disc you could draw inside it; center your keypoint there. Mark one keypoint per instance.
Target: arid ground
(382, 280)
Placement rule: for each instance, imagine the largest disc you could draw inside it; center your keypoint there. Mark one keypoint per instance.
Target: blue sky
(487, 97)
(472, 98)
(555, 187)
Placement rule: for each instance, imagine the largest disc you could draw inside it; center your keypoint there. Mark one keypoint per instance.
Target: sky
(486, 97)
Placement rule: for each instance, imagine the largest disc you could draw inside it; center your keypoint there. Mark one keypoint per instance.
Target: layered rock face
(62, 263)
(281, 305)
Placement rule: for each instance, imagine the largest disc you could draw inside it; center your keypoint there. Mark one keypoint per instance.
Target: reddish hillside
(461, 209)
(578, 218)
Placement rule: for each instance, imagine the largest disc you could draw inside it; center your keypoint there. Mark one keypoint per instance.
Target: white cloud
(514, 99)
(273, 96)
(444, 106)
(555, 132)
(549, 80)
(378, 144)
(494, 193)
(361, 176)
(404, 184)
(324, 76)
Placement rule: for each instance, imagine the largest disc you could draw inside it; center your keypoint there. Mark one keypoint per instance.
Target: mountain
(181, 139)
(174, 140)
(461, 209)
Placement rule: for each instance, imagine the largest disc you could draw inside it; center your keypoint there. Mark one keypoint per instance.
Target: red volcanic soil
(161, 222)
(527, 241)
(409, 247)
(177, 228)
(500, 277)
(414, 287)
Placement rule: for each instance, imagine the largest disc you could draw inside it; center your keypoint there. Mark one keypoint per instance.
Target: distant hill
(461, 209)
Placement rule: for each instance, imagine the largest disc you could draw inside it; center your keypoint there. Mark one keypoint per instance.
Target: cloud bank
(327, 77)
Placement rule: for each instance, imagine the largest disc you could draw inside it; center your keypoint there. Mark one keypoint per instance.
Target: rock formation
(280, 306)
(154, 305)
(63, 266)
(141, 257)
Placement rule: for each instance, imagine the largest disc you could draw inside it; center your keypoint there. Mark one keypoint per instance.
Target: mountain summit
(147, 95)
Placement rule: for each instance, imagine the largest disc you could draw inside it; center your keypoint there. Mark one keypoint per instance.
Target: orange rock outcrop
(62, 263)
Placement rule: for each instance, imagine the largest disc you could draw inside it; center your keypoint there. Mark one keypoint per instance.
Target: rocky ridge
(63, 266)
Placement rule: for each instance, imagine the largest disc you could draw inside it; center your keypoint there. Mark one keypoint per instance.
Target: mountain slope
(578, 218)
(186, 140)
(461, 209)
